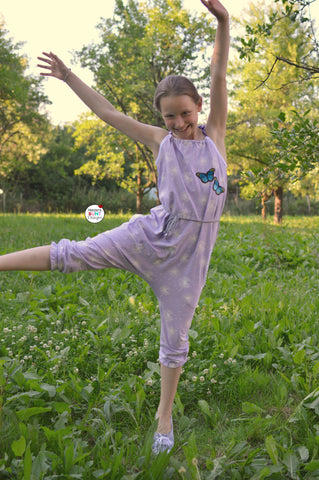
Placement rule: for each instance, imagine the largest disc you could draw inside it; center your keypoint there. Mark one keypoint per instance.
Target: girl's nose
(179, 122)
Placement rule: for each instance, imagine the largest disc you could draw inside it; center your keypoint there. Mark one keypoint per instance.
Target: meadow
(79, 376)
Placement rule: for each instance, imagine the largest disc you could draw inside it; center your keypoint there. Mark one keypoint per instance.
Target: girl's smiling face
(180, 114)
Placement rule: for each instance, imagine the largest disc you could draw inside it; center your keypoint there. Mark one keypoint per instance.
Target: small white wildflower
(76, 370)
(205, 371)
(221, 355)
(149, 382)
(201, 379)
(57, 348)
(50, 342)
(83, 323)
(6, 330)
(234, 361)
(194, 378)
(48, 353)
(213, 380)
(194, 354)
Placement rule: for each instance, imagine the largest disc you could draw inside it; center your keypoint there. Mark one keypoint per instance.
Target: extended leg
(35, 259)
(169, 382)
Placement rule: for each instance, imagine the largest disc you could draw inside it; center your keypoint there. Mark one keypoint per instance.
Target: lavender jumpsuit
(171, 247)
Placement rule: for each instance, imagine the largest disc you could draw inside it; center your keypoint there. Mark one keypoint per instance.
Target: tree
(21, 124)
(264, 108)
(297, 138)
(140, 45)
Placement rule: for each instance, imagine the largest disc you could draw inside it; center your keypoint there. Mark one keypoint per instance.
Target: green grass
(79, 377)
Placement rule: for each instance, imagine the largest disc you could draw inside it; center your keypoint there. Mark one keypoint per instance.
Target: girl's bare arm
(216, 123)
(146, 134)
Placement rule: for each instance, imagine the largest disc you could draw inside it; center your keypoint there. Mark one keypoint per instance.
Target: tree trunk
(264, 200)
(308, 203)
(278, 192)
(139, 195)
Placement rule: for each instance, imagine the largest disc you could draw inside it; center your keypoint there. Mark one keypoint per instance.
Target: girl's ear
(200, 104)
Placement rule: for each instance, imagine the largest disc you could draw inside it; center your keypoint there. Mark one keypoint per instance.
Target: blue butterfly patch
(206, 177)
(218, 189)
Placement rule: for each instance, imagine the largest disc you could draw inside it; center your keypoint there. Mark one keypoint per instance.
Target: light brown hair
(173, 86)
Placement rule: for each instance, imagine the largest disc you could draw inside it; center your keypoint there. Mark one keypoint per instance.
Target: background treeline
(273, 130)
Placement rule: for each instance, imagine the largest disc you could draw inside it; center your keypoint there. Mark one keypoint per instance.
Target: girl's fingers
(44, 66)
(43, 60)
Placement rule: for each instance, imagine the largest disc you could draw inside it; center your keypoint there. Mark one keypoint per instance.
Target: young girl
(171, 247)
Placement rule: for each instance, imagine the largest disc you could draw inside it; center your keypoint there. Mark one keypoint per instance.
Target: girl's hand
(55, 65)
(216, 8)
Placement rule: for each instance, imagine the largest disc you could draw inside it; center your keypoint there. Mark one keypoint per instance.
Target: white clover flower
(57, 347)
(201, 379)
(213, 380)
(48, 353)
(76, 370)
(149, 382)
(50, 343)
(221, 355)
(205, 371)
(194, 378)
(6, 330)
(83, 323)
(194, 354)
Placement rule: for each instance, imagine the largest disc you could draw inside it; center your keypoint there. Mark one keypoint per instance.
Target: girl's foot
(163, 442)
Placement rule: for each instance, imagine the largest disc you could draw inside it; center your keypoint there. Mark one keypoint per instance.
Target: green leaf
(18, 446)
(249, 408)
(299, 357)
(205, 408)
(27, 464)
(271, 448)
(30, 412)
(292, 463)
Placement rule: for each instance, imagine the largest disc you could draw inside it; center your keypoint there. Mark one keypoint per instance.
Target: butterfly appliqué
(209, 177)
(206, 177)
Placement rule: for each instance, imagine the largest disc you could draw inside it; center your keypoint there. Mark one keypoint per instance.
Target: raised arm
(146, 134)
(216, 123)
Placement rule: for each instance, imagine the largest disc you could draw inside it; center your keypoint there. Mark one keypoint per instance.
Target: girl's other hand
(216, 8)
(55, 66)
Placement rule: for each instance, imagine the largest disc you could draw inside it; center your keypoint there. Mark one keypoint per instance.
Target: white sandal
(163, 442)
